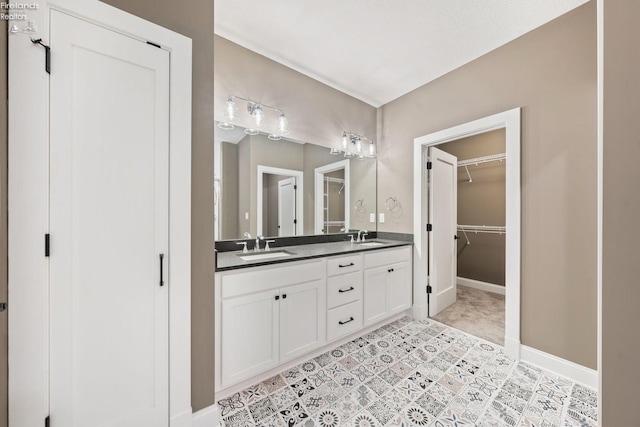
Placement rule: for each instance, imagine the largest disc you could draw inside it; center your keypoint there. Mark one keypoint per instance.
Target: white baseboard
(573, 371)
(184, 419)
(207, 417)
(483, 286)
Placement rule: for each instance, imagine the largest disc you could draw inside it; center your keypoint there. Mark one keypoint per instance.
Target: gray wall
(194, 19)
(550, 73)
(481, 202)
(621, 209)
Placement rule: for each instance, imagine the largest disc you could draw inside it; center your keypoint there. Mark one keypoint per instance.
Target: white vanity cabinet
(387, 283)
(266, 316)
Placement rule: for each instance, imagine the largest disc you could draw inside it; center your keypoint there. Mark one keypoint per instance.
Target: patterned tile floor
(413, 373)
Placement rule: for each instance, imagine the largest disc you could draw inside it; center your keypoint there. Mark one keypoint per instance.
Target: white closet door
(443, 215)
(109, 224)
(287, 207)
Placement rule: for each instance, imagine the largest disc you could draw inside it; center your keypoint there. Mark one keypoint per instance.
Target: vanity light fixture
(257, 120)
(352, 145)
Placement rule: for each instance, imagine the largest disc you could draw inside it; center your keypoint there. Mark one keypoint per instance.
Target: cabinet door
(302, 318)
(375, 294)
(249, 335)
(399, 287)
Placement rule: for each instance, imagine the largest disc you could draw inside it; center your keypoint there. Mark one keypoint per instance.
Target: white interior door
(109, 224)
(287, 207)
(443, 216)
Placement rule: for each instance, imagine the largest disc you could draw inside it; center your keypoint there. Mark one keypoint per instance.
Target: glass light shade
(252, 132)
(348, 154)
(258, 115)
(372, 149)
(230, 111)
(335, 151)
(358, 145)
(360, 157)
(345, 142)
(283, 124)
(274, 137)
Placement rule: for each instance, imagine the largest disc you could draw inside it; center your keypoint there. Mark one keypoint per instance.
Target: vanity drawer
(344, 320)
(383, 257)
(344, 264)
(343, 289)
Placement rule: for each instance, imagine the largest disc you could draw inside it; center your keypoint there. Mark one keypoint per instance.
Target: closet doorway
(467, 228)
(477, 184)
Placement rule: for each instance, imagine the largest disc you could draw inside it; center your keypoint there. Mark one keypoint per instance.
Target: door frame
(28, 194)
(299, 175)
(510, 121)
(319, 192)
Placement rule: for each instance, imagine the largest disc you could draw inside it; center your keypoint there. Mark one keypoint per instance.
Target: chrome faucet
(256, 248)
(364, 233)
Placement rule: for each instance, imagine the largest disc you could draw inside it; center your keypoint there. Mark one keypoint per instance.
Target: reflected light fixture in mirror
(352, 146)
(261, 118)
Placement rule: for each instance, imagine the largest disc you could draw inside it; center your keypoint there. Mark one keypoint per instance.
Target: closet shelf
(478, 160)
(482, 229)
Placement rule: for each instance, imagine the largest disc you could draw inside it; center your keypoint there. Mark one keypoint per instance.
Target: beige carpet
(476, 312)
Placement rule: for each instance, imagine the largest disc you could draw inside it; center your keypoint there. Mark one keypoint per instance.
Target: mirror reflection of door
(287, 207)
(333, 211)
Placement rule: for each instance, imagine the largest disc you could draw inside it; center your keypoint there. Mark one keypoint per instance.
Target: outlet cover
(381, 218)
(372, 218)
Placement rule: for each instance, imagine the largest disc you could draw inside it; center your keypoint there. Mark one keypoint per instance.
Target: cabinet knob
(284, 296)
(390, 270)
(277, 297)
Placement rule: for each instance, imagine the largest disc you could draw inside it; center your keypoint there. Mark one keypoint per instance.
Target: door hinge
(295, 221)
(429, 289)
(46, 421)
(295, 187)
(154, 44)
(47, 244)
(429, 165)
(429, 227)
(47, 54)
(3, 306)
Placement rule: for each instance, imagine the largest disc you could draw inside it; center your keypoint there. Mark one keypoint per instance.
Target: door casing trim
(510, 121)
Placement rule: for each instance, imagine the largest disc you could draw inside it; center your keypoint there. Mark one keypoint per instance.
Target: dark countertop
(232, 261)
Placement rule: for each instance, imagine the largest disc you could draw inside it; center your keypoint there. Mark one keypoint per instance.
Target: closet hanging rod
(482, 229)
(483, 159)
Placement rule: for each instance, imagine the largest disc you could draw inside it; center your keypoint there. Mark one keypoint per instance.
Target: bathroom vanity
(271, 311)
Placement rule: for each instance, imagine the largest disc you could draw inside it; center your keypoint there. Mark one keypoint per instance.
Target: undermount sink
(370, 243)
(264, 255)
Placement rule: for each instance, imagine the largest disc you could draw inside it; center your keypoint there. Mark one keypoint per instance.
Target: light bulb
(345, 141)
(283, 124)
(372, 149)
(358, 145)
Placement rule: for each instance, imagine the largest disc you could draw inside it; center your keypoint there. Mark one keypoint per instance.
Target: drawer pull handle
(346, 265)
(346, 290)
(390, 270)
(284, 296)
(277, 297)
(351, 319)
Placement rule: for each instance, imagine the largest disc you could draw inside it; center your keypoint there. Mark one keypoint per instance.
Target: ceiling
(378, 50)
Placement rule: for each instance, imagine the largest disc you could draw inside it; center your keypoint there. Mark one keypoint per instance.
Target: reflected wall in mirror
(288, 188)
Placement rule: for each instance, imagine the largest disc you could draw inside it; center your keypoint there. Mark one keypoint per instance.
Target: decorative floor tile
(417, 416)
(239, 419)
(262, 409)
(328, 418)
(364, 419)
(294, 414)
(412, 373)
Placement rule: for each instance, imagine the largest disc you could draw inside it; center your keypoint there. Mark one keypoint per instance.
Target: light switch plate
(381, 218)
(246, 215)
(372, 218)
